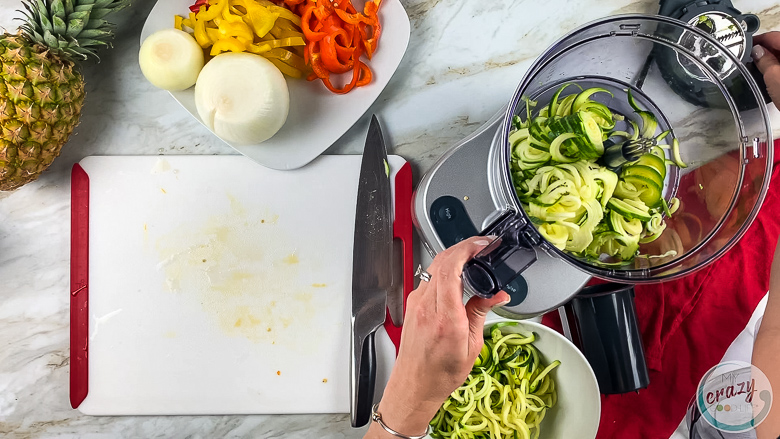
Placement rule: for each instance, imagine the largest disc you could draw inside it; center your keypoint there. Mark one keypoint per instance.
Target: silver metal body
(468, 172)
(372, 275)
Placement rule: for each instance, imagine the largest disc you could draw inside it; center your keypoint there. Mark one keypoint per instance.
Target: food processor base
(453, 202)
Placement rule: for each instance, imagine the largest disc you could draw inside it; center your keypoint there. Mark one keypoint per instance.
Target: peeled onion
(171, 59)
(242, 98)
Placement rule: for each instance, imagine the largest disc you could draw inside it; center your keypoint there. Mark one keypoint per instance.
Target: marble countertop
(439, 95)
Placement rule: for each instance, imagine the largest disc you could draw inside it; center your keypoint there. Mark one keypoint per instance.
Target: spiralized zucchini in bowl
(506, 395)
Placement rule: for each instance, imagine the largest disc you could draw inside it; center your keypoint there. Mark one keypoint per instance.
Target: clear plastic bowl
(700, 90)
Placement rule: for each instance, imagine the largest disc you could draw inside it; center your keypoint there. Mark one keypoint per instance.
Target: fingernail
(482, 242)
(758, 52)
(504, 302)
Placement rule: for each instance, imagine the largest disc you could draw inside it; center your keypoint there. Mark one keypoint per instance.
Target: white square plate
(317, 117)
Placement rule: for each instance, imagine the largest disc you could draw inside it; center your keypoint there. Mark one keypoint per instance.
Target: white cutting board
(219, 286)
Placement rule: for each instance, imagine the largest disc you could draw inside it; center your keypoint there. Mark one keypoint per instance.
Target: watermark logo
(734, 397)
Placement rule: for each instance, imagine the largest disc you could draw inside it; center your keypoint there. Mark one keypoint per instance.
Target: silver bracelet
(376, 417)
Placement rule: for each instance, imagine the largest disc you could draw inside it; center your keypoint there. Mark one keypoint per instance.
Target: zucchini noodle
(506, 395)
(597, 212)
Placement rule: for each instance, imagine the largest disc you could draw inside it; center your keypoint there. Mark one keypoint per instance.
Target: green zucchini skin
(593, 212)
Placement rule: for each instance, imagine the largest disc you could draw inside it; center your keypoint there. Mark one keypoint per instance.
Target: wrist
(404, 413)
(403, 419)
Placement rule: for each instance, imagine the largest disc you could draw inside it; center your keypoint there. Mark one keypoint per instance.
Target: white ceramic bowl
(578, 410)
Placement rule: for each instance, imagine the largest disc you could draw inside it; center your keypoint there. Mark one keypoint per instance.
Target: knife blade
(395, 297)
(372, 274)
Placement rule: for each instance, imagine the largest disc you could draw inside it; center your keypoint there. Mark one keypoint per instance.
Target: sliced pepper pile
(336, 37)
(256, 26)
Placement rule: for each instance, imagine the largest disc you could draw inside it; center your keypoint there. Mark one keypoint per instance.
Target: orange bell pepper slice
(337, 35)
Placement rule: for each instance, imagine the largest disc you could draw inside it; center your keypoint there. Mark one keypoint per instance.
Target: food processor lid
(691, 39)
(500, 178)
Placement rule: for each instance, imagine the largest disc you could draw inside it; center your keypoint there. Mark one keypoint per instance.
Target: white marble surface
(464, 61)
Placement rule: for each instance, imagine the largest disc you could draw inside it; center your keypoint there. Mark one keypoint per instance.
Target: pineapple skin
(41, 96)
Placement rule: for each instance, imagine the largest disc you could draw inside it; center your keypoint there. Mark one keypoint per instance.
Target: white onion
(171, 59)
(242, 98)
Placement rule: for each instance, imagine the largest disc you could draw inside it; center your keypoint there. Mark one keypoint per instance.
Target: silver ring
(422, 274)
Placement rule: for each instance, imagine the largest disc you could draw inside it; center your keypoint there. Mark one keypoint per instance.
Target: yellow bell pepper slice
(231, 13)
(257, 26)
(285, 29)
(229, 44)
(274, 44)
(234, 4)
(214, 10)
(238, 30)
(199, 27)
(213, 34)
(283, 12)
(262, 20)
(286, 69)
(288, 58)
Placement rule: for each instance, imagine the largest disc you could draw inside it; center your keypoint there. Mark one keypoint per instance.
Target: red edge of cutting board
(79, 285)
(403, 230)
(79, 271)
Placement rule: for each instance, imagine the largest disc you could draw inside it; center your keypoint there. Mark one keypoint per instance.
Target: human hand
(766, 51)
(441, 338)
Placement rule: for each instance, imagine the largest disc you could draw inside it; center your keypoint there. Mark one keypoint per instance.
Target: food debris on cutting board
(290, 259)
(160, 166)
(237, 274)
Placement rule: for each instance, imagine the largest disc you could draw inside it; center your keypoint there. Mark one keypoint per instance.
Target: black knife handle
(366, 382)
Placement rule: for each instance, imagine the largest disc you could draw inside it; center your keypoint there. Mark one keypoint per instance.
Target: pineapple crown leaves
(71, 28)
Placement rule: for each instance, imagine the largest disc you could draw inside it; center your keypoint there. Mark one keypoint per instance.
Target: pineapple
(41, 89)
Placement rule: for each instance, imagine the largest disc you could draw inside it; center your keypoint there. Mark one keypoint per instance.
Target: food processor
(710, 101)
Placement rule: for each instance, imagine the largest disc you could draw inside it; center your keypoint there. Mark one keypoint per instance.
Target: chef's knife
(372, 274)
(395, 297)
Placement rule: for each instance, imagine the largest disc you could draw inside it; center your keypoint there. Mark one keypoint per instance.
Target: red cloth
(688, 324)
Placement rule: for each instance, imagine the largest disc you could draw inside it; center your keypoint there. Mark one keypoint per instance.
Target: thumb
(765, 60)
(769, 66)
(476, 310)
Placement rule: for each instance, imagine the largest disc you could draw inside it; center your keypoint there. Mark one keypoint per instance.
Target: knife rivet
(466, 198)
